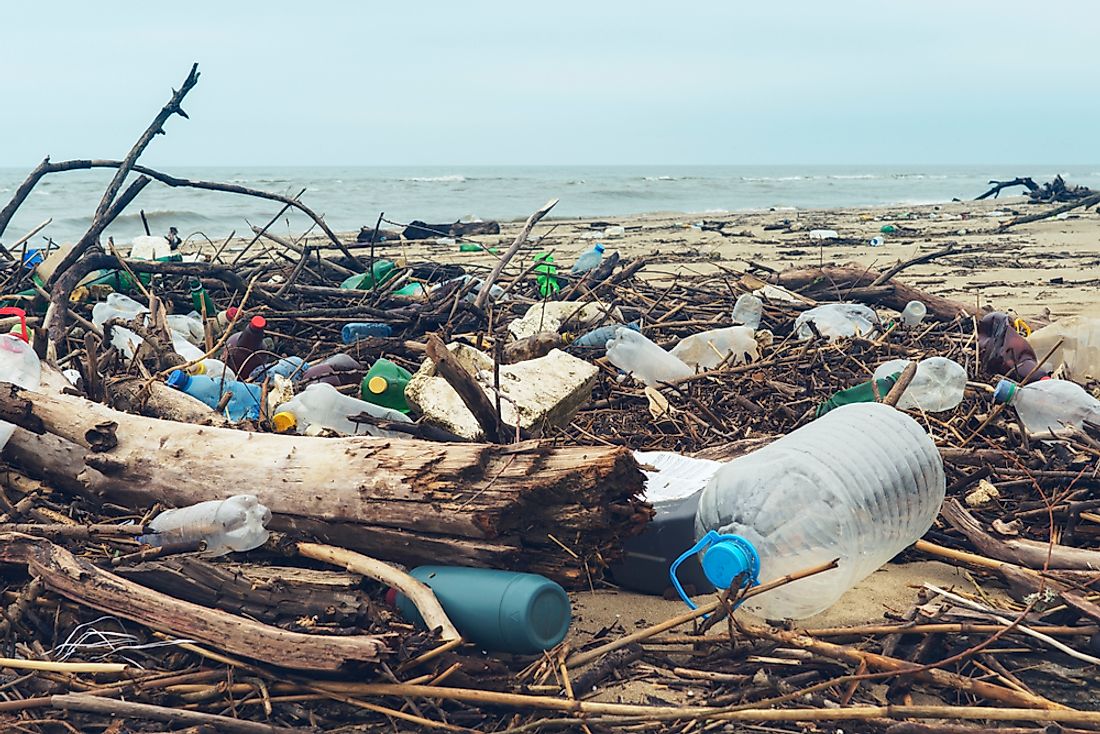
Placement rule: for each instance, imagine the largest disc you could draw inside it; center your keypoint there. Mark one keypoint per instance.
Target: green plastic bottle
(200, 299)
(382, 271)
(864, 392)
(384, 384)
(504, 611)
(474, 247)
(119, 280)
(888, 228)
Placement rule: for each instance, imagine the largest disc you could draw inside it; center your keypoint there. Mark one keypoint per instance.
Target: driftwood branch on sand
(407, 501)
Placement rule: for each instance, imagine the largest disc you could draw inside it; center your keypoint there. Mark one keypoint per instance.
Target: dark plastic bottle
(505, 611)
(337, 370)
(1004, 352)
(241, 351)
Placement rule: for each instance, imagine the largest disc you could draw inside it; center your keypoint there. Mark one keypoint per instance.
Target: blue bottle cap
(178, 379)
(599, 247)
(1006, 390)
(725, 557)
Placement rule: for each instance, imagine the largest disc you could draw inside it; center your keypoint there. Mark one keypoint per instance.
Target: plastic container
(235, 524)
(1004, 352)
(355, 331)
(415, 291)
(824, 234)
(384, 384)
(242, 351)
(938, 384)
(244, 403)
(633, 353)
(1079, 353)
(149, 247)
(19, 365)
(748, 310)
(189, 326)
(292, 368)
(673, 486)
(837, 320)
(381, 271)
(860, 484)
(708, 349)
(888, 229)
(122, 307)
(323, 405)
(1049, 405)
(913, 313)
(589, 260)
(877, 241)
(337, 370)
(598, 337)
(502, 611)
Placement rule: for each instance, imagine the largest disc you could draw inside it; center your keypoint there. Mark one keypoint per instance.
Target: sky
(578, 83)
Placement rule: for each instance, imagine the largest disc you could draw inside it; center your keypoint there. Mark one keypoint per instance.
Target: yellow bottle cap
(377, 384)
(284, 421)
(198, 369)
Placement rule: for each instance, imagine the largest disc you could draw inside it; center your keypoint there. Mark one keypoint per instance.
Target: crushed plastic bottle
(122, 307)
(1049, 405)
(837, 320)
(589, 260)
(235, 524)
(244, 403)
(938, 384)
(339, 369)
(913, 314)
(1078, 355)
(189, 326)
(324, 406)
(708, 349)
(633, 353)
(748, 310)
(19, 365)
(292, 368)
(859, 484)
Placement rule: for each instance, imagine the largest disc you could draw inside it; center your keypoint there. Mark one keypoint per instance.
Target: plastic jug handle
(705, 542)
(14, 311)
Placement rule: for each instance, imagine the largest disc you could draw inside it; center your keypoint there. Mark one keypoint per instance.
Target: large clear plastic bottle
(589, 260)
(1049, 405)
(708, 349)
(937, 386)
(235, 524)
(323, 405)
(632, 352)
(837, 320)
(1075, 342)
(859, 484)
(19, 365)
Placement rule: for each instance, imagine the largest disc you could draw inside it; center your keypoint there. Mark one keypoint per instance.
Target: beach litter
(419, 475)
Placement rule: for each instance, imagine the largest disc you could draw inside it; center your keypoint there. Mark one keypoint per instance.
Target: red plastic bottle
(242, 350)
(1004, 352)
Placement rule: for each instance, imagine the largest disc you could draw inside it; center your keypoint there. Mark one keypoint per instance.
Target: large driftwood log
(558, 511)
(838, 280)
(80, 581)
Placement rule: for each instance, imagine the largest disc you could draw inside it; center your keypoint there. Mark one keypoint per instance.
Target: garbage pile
(317, 485)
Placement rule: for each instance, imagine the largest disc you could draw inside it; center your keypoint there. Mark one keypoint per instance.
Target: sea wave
(455, 178)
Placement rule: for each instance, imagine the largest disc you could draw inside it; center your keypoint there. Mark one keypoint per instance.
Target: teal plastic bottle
(872, 391)
(503, 611)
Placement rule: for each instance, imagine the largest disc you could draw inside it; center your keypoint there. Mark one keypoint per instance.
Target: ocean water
(351, 197)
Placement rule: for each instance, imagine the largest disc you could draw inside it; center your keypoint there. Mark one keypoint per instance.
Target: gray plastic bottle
(860, 484)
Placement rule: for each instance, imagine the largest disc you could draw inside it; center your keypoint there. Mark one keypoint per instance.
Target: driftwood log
(562, 512)
(837, 281)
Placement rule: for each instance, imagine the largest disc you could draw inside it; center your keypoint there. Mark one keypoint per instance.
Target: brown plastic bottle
(1004, 352)
(337, 370)
(241, 351)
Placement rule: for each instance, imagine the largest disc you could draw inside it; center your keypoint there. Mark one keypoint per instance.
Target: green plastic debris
(872, 391)
(544, 275)
(382, 271)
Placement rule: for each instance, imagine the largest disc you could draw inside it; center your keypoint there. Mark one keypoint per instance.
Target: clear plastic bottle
(859, 484)
(1075, 342)
(632, 352)
(837, 320)
(292, 368)
(589, 260)
(215, 369)
(913, 314)
(122, 307)
(937, 386)
(323, 405)
(748, 310)
(708, 349)
(1049, 405)
(235, 524)
(20, 366)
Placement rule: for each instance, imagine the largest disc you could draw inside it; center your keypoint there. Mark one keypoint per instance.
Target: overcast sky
(451, 83)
